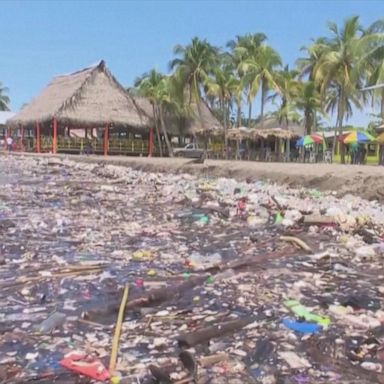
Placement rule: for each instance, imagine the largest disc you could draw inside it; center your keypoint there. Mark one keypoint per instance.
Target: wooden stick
(297, 241)
(204, 335)
(319, 220)
(185, 380)
(116, 337)
(206, 361)
(92, 323)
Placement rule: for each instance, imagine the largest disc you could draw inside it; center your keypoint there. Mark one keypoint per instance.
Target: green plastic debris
(204, 219)
(200, 218)
(301, 311)
(210, 280)
(279, 218)
(186, 275)
(315, 193)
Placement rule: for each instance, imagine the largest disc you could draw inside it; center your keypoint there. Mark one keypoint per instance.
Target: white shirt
(9, 140)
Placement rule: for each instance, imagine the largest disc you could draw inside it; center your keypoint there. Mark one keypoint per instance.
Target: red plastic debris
(86, 365)
(241, 205)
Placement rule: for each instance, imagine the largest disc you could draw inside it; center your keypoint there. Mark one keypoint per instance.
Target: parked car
(190, 151)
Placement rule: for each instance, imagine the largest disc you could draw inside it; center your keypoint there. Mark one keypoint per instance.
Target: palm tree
(339, 69)
(375, 64)
(242, 48)
(146, 86)
(259, 72)
(289, 88)
(306, 65)
(308, 101)
(195, 62)
(223, 84)
(156, 87)
(4, 99)
(163, 96)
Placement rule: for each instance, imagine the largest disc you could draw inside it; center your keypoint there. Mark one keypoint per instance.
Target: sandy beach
(362, 180)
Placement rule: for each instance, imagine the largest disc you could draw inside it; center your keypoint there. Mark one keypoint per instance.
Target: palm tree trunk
(341, 118)
(308, 122)
(198, 100)
(224, 112)
(157, 129)
(288, 148)
(339, 123)
(262, 105)
(238, 118)
(165, 134)
(314, 122)
(249, 114)
(382, 106)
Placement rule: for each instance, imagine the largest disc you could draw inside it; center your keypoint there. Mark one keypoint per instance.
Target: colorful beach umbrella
(358, 137)
(309, 140)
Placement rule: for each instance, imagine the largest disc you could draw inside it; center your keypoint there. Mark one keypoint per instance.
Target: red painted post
(106, 140)
(22, 138)
(38, 142)
(54, 143)
(150, 144)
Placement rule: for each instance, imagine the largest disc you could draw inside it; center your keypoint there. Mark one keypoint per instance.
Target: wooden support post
(54, 142)
(38, 143)
(106, 140)
(288, 155)
(150, 144)
(22, 138)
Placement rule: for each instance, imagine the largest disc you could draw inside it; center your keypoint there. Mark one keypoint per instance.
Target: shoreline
(361, 180)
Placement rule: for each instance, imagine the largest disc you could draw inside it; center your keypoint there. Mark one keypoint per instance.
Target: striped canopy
(358, 137)
(309, 140)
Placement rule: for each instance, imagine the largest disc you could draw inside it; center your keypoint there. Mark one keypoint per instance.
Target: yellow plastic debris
(142, 255)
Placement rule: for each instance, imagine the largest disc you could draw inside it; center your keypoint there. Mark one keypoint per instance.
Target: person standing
(9, 143)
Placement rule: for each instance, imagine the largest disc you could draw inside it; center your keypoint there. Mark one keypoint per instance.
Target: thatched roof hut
(91, 97)
(273, 123)
(240, 133)
(279, 133)
(186, 126)
(254, 134)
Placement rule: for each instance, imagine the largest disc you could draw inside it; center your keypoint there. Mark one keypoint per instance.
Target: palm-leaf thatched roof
(190, 125)
(273, 123)
(91, 97)
(254, 134)
(240, 133)
(210, 123)
(277, 133)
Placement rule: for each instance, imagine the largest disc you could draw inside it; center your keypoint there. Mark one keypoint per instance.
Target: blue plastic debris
(302, 327)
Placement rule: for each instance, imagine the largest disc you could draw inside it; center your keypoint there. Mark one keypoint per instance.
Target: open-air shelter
(91, 106)
(89, 99)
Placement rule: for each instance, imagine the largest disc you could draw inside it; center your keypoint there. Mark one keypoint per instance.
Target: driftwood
(297, 241)
(222, 211)
(207, 361)
(158, 296)
(205, 334)
(319, 220)
(150, 299)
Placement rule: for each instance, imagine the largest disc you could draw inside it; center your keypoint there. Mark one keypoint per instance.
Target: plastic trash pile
(229, 282)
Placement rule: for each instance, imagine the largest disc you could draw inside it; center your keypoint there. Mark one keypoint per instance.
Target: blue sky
(41, 39)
